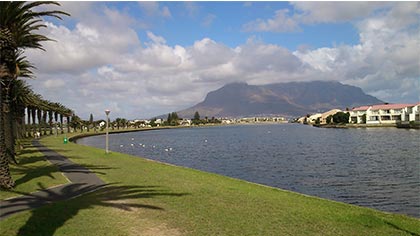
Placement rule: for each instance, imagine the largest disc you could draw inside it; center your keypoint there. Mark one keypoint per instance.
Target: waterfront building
(313, 118)
(385, 114)
(325, 115)
(263, 119)
(185, 122)
(302, 120)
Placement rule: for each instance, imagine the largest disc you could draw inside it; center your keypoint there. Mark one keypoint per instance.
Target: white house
(385, 114)
(325, 115)
(302, 119)
(411, 113)
(185, 122)
(312, 119)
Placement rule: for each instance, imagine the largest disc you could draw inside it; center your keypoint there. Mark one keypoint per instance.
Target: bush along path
(82, 181)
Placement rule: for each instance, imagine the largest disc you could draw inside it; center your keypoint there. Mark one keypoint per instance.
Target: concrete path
(82, 181)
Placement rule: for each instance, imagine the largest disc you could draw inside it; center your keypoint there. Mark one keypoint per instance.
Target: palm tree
(18, 23)
(14, 119)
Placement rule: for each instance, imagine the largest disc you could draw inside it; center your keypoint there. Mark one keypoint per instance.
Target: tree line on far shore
(174, 120)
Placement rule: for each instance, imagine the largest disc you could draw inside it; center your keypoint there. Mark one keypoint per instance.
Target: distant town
(389, 115)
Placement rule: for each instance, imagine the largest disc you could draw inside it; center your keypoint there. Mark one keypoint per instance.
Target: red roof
(362, 108)
(383, 107)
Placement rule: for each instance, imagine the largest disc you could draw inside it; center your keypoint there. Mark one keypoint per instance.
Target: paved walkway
(82, 181)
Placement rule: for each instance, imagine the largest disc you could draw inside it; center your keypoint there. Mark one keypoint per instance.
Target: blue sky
(227, 27)
(142, 59)
(223, 22)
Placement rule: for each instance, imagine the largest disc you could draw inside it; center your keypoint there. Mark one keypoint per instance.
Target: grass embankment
(149, 198)
(33, 172)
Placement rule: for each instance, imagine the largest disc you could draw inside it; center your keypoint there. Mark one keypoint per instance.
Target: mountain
(285, 99)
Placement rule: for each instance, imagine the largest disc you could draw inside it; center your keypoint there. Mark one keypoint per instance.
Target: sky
(144, 59)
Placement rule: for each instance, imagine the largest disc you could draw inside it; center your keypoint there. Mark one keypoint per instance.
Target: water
(377, 167)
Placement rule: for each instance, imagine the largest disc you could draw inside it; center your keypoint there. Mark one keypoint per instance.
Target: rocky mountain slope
(285, 99)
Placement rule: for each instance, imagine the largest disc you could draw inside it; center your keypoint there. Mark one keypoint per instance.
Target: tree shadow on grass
(31, 150)
(46, 220)
(32, 172)
(401, 229)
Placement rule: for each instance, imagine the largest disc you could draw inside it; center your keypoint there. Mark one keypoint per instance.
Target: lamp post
(107, 125)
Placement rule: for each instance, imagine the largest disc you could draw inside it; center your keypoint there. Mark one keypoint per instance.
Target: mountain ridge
(280, 99)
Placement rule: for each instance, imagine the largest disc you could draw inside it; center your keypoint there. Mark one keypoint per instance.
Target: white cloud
(208, 20)
(315, 12)
(166, 13)
(281, 22)
(155, 39)
(54, 83)
(191, 8)
(154, 9)
(91, 43)
(332, 12)
(386, 61)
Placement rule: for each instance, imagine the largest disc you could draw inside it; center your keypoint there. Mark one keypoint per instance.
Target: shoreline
(89, 134)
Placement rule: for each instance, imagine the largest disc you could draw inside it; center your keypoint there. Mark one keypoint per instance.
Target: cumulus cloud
(88, 44)
(333, 12)
(314, 12)
(385, 63)
(281, 22)
(154, 9)
(311, 13)
(97, 65)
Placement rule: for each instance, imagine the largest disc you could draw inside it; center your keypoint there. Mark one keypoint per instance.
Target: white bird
(154, 146)
(121, 145)
(144, 145)
(170, 149)
(132, 145)
(132, 138)
(166, 150)
(205, 141)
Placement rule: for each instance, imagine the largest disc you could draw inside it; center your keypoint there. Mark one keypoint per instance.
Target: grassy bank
(149, 198)
(33, 172)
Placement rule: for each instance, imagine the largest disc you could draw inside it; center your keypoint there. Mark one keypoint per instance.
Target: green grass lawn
(33, 172)
(150, 198)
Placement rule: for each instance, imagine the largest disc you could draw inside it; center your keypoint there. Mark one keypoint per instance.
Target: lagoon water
(372, 167)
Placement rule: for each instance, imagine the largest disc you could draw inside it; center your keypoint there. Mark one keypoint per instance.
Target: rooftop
(384, 107)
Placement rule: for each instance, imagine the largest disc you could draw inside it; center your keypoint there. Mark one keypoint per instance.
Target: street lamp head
(107, 112)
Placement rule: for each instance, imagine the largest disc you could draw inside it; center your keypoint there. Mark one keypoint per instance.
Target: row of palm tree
(20, 23)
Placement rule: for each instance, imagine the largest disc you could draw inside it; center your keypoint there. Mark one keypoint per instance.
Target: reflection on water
(378, 167)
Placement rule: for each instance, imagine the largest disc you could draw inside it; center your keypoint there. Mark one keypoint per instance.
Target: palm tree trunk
(68, 124)
(33, 110)
(61, 123)
(8, 126)
(23, 125)
(50, 116)
(39, 121)
(44, 122)
(28, 128)
(8, 134)
(56, 122)
(16, 122)
(6, 180)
